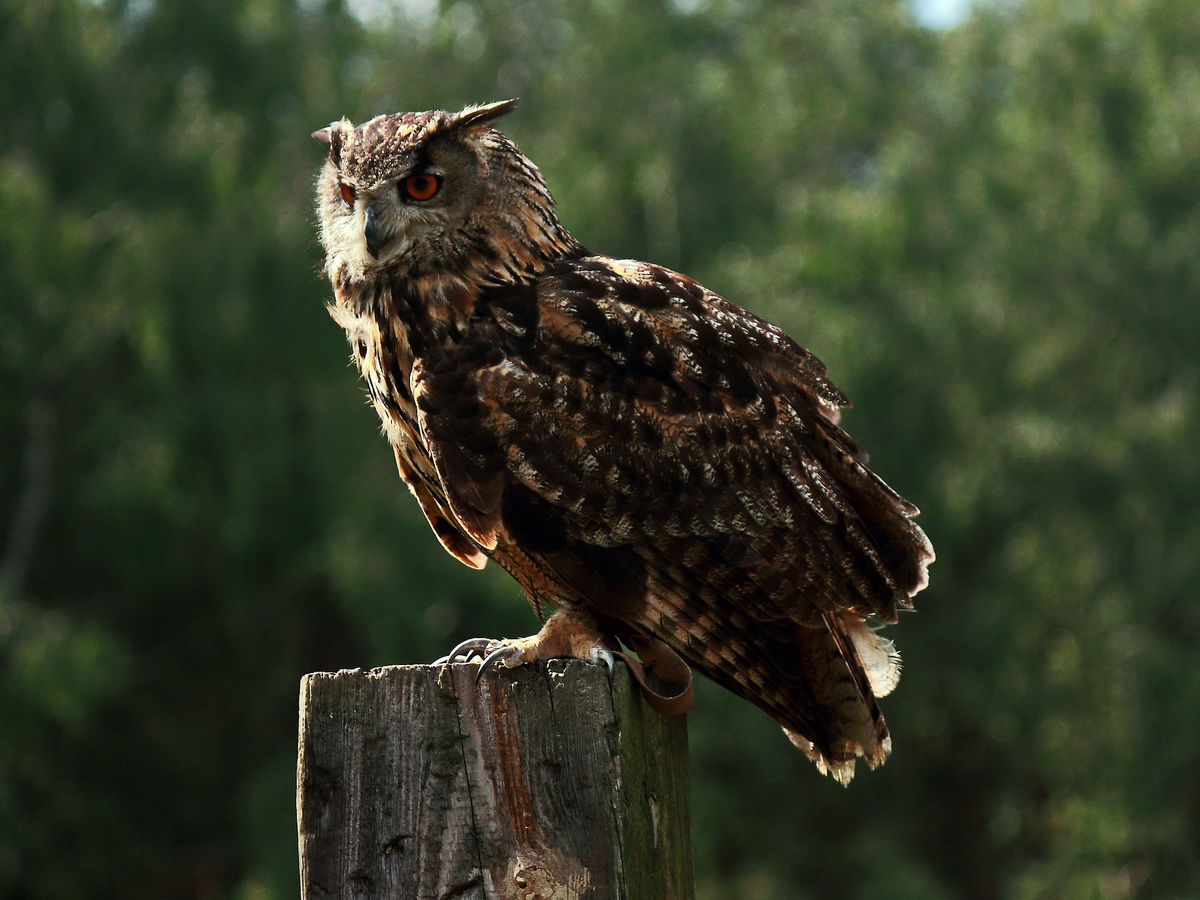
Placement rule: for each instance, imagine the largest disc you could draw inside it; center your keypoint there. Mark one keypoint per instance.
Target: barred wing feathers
(675, 463)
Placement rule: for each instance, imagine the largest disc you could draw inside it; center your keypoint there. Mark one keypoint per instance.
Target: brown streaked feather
(704, 434)
(442, 521)
(465, 455)
(644, 412)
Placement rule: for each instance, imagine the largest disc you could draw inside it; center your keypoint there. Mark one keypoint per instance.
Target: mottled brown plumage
(627, 444)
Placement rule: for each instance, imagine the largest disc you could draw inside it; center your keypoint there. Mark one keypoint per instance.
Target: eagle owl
(663, 467)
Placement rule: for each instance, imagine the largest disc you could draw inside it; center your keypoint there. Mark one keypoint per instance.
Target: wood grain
(545, 782)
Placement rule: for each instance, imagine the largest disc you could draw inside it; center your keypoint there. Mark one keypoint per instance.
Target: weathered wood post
(536, 783)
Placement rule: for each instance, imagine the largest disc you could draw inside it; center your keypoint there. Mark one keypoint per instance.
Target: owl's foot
(573, 633)
(567, 633)
(514, 653)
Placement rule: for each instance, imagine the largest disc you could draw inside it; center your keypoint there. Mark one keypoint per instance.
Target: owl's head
(431, 193)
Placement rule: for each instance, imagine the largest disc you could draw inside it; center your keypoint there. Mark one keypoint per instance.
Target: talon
(471, 648)
(602, 656)
(510, 654)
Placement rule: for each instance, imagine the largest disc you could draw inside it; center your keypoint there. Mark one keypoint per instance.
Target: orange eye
(421, 187)
(347, 194)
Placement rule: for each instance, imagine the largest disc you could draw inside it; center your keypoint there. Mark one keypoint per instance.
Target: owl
(663, 469)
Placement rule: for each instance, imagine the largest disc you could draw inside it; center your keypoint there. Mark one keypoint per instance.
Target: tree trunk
(544, 782)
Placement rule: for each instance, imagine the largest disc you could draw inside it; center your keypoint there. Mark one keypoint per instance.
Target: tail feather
(819, 681)
(852, 723)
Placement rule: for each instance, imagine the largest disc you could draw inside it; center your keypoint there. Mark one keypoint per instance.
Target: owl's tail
(818, 678)
(847, 666)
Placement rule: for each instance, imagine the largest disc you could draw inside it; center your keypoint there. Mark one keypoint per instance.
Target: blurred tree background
(990, 233)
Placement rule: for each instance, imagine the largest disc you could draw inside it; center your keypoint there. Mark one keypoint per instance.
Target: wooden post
(543, 782)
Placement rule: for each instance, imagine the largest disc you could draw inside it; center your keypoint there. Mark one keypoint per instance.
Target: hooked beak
(371, 231)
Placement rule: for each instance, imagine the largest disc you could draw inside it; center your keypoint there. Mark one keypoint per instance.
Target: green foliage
(990, 234)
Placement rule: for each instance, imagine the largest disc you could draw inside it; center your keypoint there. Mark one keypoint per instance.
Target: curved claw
(471, 648)
(504, 652)
(601, 656)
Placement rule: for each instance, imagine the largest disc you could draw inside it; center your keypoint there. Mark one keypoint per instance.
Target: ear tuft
(331, 136)
(475, 116)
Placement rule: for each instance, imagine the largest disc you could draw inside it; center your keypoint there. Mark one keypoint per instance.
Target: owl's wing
(633, 404)
(676, 463)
